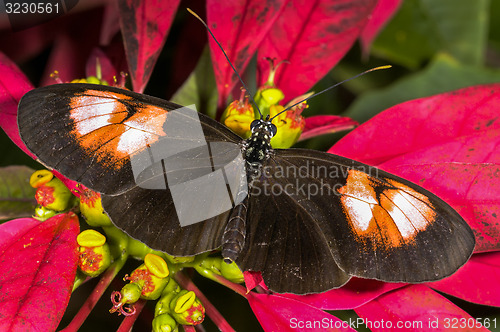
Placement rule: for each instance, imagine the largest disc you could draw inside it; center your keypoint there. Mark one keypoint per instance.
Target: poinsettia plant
(444, 142)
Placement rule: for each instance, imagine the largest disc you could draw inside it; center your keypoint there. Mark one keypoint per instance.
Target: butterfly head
(264, 127)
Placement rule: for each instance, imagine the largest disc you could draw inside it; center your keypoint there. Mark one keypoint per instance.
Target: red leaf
(278, 313)
(239, 26)
(252, 280)
(13, 85)
(477, 281)
(38, 264)
(145, 26)
(417, 306)
(470, 188)
(325, 124)
(313, 36)
(110, 24)
(382, 13)
(352, 295)
(421, 123)
(456, 134)
(72, 46)
(24, 45)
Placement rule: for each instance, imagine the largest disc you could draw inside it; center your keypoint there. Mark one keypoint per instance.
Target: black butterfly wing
(286, 240)
(155, 216)
(89, 132)
(317, 218)
(150, 217)
(95, 135)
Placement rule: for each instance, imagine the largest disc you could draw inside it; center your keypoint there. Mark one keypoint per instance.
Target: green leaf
(443, 74)
(17, 197)
(423, 28)
(199, 88)
(494, 42)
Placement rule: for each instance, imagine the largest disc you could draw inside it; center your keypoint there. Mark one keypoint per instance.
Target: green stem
(96, 294)
(128, 322)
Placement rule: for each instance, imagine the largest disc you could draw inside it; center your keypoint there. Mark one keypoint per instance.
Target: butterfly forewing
(89, 132)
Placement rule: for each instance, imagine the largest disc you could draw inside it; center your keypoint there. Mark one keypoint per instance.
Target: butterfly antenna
(227, 58)
(333, 86)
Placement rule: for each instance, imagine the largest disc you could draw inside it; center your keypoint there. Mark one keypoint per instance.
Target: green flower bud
(42, 213)
(94, 255)
(129, 294)
(164, 323)
(268, 96)
(91, 208)
(152, 277)
(187, 309)
(50, 191)
(238, 116)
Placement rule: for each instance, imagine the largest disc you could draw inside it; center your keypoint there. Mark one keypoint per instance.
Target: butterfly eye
(272, 129)
(254, 124)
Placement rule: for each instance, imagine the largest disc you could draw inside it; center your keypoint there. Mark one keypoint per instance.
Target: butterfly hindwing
(150, 217)
(372, 223)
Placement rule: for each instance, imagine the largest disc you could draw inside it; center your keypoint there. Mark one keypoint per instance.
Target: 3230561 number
(32, 8)
(468, 323)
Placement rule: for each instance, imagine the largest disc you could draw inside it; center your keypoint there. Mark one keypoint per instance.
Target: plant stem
(128, 321)
(94, 297)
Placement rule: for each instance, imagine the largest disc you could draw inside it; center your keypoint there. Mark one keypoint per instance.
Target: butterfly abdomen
(233, 238)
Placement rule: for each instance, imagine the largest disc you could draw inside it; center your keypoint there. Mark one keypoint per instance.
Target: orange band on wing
(390, 214)
(111, 127)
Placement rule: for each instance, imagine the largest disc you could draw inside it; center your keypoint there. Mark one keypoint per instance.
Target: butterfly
(185, 184)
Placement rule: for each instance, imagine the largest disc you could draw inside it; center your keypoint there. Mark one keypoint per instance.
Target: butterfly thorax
(258, 146)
